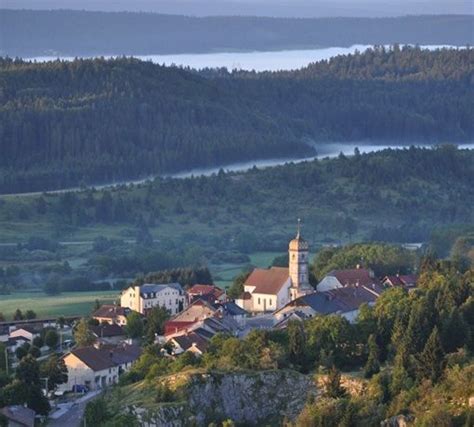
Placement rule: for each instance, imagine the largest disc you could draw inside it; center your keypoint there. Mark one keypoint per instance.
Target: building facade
(268, 290)
(145, 297)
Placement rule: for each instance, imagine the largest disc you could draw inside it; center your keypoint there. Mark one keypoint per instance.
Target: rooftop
(107, 357)
(267, 281)
(354, 276)
(110, 311)
(107, 330)
(148, 288)
(20, 415)
(202, 290)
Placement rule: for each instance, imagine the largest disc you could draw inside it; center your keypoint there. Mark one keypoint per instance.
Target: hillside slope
(63, 124)
(80, 33)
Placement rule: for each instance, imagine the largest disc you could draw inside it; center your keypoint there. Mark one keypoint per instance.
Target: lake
(258, 61)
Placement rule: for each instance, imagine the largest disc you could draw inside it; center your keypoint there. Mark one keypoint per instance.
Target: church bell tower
(298, 252)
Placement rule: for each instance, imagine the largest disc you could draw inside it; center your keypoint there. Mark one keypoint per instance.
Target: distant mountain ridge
(28, 33)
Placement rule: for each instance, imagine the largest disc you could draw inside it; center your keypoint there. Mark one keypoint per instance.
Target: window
(259, 301)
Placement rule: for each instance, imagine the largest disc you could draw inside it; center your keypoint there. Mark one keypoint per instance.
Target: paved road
(73, 417)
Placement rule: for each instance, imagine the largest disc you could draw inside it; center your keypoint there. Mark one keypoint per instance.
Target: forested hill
(93, 121)
(81, 33)
(397, 63)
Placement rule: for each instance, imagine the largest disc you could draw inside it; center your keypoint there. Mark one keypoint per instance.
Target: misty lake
(258, 61)
(322, 151)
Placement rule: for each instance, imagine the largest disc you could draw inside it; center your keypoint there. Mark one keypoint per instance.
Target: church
(267, 290)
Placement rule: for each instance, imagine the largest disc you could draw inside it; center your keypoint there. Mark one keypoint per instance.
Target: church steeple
(298, 264)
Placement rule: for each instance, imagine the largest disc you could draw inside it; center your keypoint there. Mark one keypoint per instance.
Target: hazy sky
(298, 8)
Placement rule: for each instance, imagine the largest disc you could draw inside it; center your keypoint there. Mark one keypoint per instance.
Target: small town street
(70, 414)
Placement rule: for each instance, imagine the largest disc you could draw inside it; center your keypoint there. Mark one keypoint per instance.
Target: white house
(143, 298)
(97, 368)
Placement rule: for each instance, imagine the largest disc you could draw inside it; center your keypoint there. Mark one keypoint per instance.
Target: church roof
(267, 281)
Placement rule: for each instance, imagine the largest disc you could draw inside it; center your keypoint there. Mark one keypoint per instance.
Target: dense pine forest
(91, 121)
(84, 33)
(393, 195)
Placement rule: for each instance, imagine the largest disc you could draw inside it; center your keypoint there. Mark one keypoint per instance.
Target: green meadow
(66, 304)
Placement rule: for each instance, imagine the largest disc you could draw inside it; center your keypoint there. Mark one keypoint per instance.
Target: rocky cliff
(251, 398)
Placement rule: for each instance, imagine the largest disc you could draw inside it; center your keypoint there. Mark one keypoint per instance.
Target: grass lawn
(66, 304)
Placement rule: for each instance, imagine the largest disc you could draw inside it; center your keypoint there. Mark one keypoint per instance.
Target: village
(271, 298)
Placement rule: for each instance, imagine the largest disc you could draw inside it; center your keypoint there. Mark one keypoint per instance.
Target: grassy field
(66, 304)
(224, 274)
(81, 303)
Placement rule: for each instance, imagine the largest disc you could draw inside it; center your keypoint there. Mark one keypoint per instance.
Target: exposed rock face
(249, 398)
(397, 421)
(164, 416)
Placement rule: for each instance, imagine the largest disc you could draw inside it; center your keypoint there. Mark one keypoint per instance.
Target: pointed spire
(298, 229)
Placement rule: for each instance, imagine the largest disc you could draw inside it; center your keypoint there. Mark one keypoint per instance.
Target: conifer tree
(296, 342)
(431, 360)
(373, 365)
(333, 385)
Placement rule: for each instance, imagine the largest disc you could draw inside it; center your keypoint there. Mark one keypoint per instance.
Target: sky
(290, 8)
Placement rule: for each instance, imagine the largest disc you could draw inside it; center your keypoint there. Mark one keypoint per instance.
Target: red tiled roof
(202, 290)
(354, 276)
(172, 327)
(268, 281)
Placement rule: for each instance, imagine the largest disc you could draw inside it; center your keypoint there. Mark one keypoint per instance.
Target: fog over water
(323, 151)
(258, 61)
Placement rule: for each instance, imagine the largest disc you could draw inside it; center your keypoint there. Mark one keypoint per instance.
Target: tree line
(95, 120)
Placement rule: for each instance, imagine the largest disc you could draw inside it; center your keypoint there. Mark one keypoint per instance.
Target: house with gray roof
(344, 301)
(143, 298)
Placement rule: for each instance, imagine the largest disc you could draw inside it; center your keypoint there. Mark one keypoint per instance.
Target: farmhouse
(143, 298)
(267, 290)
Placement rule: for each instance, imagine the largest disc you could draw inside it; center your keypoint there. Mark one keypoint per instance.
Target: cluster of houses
(275, 296)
